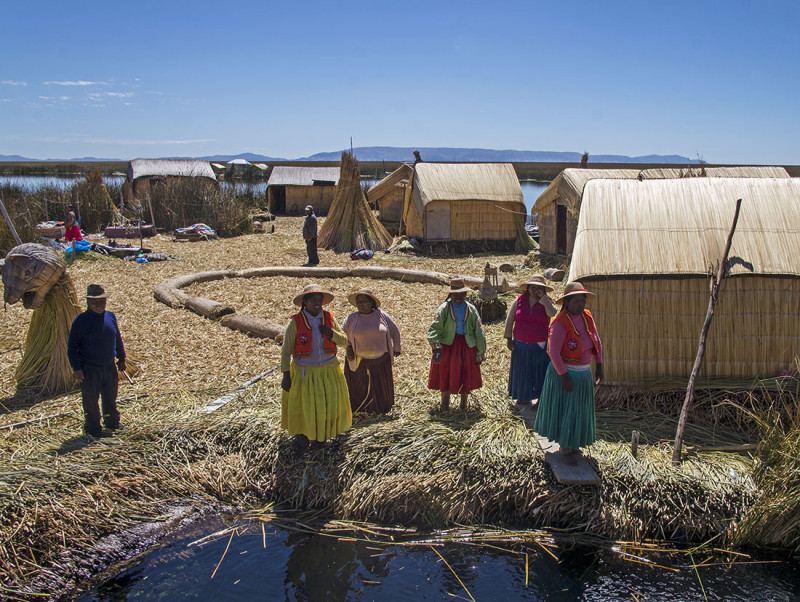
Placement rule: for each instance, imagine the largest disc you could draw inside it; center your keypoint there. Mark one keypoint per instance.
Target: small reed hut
(647, 248)
(558, 206)
(471, 204)
(290, 189)
(145, 173)
(388, 195)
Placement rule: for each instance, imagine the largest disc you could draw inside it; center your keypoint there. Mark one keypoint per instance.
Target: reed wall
(650, 328)
(320, 197)
(483, 220)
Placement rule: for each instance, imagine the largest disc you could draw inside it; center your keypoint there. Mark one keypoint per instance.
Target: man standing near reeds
(94, 343)
(310, 235)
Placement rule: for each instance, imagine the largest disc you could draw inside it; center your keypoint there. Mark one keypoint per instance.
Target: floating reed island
(71, 507)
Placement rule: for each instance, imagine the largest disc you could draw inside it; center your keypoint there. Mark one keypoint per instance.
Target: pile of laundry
(195, 232)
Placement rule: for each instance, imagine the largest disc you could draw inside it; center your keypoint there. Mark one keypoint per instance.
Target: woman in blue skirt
(526, 331)
(566, 407)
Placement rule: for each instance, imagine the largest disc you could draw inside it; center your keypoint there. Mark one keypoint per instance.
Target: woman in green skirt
(566, 407)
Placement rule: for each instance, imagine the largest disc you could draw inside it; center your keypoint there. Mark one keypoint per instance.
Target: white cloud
(75, 83)
(11, 82)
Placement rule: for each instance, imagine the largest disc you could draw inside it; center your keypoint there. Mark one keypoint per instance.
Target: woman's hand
(326, 331)
(479, 358)
(286, 383)
(566, 382)
(510, 344)
(351, 355)
(396, 353)
(437, 356)
(598, 374)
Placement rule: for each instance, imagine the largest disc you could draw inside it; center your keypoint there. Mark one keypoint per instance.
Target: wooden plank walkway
(579, 474)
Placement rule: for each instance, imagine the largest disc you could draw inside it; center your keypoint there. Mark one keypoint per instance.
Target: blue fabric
(567, 418)
(529, 364)
(94, 340)
(460, 313)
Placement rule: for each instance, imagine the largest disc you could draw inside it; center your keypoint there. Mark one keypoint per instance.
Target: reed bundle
(44, 365)
(351, 224)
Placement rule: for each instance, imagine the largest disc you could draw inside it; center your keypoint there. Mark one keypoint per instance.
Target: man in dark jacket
(310, 235)
(94, 342)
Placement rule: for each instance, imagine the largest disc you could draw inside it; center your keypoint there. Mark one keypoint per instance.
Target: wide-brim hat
(327, 297)
(366, 292)
(535, 280)
(95, 291)
(575, 288)
(457, 285)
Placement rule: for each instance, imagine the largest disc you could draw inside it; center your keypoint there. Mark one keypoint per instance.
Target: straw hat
(535, 280)
(457, 286)
(313, 288)
(363, 291)
(95, 291)
(575, 288)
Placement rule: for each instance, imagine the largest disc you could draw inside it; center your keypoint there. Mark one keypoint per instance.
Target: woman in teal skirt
(566, 406)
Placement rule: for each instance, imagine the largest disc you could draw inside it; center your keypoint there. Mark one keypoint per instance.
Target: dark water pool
(280, 564)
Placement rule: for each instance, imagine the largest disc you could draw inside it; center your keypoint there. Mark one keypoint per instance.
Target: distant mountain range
(394, 153)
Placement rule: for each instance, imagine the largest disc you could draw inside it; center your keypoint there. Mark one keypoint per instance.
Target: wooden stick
(8, 220)
(701, 349)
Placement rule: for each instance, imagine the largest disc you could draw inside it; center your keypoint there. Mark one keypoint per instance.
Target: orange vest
(302, 340)
(572, 349)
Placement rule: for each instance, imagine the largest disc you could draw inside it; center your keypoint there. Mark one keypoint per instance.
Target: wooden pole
(8, 220)
(701, 349)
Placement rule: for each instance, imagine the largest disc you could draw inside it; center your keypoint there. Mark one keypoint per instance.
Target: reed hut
(388, 195)
(145, 173)
(290, 189)
(474, 205)
(558, 206)
(647, 249)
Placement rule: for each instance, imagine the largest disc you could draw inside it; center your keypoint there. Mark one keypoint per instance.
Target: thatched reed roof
(284, 175)
(387, 184)
(496, 182)
(768, 171)
(568, 185)
(143, 168)
(679, 227)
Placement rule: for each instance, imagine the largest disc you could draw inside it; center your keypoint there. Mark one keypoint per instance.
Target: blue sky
(715, 80)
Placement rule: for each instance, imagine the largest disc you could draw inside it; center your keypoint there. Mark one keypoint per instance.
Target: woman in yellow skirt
(315, 404)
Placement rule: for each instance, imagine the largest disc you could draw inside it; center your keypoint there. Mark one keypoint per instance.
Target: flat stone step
(581, 473)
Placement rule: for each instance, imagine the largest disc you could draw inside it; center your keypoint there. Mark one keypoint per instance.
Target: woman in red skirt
(459, 345)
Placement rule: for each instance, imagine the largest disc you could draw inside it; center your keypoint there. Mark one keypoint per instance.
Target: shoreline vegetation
(67, 500)
(527, 171)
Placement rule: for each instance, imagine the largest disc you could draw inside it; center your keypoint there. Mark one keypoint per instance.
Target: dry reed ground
(61, 494)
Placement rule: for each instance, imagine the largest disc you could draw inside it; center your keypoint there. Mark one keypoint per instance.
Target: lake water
(530, 190)
(278, 564)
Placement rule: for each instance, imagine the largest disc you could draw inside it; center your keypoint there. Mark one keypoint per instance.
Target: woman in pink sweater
(373, 340)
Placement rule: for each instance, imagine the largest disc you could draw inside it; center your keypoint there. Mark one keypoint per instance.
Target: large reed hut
(145, 173)
(647, 249)
(388, 195)
(558, 206)
(290, 189)
(469, 204)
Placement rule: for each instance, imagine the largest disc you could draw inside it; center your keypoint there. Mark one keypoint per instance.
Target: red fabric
(530, 323)
(572, 349)
(457, 371)
(73, 233)
(302, 341)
